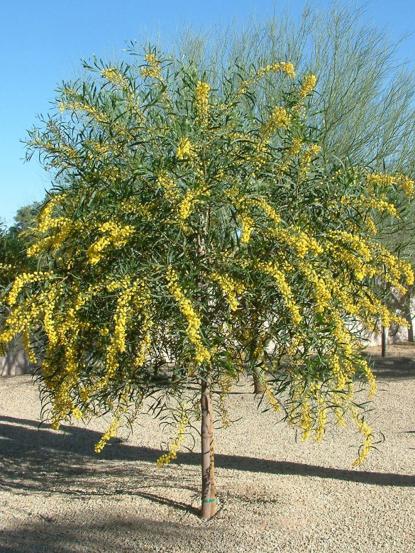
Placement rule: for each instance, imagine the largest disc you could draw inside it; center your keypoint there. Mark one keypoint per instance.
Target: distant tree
(26, 217)
(364, 103)
(14, 242)
(186, 245)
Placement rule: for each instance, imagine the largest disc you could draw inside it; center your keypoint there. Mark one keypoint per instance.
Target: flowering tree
(185, 245)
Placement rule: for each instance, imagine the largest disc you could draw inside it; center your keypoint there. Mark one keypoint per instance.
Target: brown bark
(410, 331)
(384, 336)
(408, 315)
(258, 385)
(209, 499)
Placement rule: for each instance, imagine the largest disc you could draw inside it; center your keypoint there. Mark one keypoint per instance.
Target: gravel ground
(276, 495)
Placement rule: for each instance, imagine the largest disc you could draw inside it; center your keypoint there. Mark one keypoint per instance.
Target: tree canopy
(185, 245)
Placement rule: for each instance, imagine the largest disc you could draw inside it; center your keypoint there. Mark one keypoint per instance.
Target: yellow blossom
(380, 179)
(202, 100)
(193, 321)
(113, 75)
(367, 434)
(230, 288)
(184, 149)
(175, 445)
(247, 227)
(114, 235)
(284, 289)
(279, 119)
(153, 67)
(308, 85)
(111, 432)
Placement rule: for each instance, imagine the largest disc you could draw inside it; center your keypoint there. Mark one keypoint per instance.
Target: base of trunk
(209, 499)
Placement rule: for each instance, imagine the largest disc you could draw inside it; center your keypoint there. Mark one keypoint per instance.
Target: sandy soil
(276, 495)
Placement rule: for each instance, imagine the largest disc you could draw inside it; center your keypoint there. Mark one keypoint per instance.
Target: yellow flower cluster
(111, 173)
(308, 85)
(184, 149)
(284, 288)
(230, 288)
(322, 295)
(278, 67)
(282, 66)
(153, 67)
(144, 346)
(142, 300)
(99, 148)
(122, 311)
(380, 204)
(111, 432)
(187, 204)
(175, 445)
(367, 433)
(49, 322)
(202, 101)
(307, 156)
(370, 309)
(21, 281)
(295, 147)
(398, 271)
(357, 243)
(120, 80)
(290, 154)
(247, 226)
(6, 267)
(135, 297)
(113, 75)
(28, 347)
(61, 226)
(45, 218)
(297, 239)
(92, 111)
(381, 179)
(370, 377)
(311, 152)
(270, 397)
(193, 321)
(321, 418)
(338, 372)
(306, 420)
(279, 119)
(169, 186)
(341, 334)
(267, 209)
(134, 205)
(115, 235)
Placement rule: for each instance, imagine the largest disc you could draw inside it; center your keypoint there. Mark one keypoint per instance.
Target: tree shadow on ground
(44, 460)
(103, 534)
(393, 367)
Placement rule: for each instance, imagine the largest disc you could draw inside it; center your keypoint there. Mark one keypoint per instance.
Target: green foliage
(186, 242)
(13, 246)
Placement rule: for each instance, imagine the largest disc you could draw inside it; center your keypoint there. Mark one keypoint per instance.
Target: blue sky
(42, 42)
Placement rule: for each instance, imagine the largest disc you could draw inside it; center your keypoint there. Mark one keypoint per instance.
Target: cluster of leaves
(186, 242)
(14, 242)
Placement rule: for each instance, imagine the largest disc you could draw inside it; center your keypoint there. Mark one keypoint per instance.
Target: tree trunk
(410, 331)
(258, 386)
(384, 336)
(209, 500)
(408, 315)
